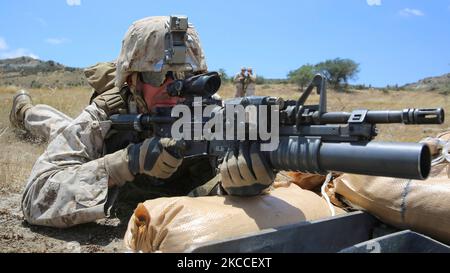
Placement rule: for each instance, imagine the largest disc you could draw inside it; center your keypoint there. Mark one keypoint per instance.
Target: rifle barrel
(406, 116)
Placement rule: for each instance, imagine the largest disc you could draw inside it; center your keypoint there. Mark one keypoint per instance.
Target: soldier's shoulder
(114, 100)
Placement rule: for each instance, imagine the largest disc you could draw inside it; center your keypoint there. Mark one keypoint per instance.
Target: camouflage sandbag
(101, 76)
(176, 224)
(422, 206)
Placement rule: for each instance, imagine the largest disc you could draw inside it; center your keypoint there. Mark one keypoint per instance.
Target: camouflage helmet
(145, 45)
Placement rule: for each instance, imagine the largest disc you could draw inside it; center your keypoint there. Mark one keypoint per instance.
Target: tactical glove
(246, 173)
(156, 157)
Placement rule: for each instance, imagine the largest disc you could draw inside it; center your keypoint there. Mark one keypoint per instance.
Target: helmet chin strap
(140, 102)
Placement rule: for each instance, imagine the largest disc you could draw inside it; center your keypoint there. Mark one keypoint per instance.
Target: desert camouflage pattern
(239, 86)
(101, 76)
(68, 184)
(143, 49)
(246, 89)
(251, 85)
(45, 121)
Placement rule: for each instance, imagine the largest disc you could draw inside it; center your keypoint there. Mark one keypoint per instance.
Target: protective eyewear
(155, 79)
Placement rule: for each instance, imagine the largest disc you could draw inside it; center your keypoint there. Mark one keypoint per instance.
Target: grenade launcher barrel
(390, 159)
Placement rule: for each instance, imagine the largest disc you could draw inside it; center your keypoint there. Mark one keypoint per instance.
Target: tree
(260, 80)
(302, 76)
(223, 75)
(338, 71)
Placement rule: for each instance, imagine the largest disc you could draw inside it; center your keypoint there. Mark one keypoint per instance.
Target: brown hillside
(26, 72)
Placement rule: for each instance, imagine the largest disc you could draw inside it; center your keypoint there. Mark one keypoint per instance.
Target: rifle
(245, 83)
(310, 138)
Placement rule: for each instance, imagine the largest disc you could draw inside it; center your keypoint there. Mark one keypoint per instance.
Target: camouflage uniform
(240, 85)
(45, 121)
(251, 85)
(68, 184)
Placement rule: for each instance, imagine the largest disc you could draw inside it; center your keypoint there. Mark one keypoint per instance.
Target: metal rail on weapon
(310, 138)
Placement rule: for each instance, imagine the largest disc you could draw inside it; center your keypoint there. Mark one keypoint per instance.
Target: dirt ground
(17, 236)
(18, 152)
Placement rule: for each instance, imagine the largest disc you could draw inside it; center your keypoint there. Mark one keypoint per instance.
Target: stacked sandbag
(422, 206)
(306, 181)
(178, 223)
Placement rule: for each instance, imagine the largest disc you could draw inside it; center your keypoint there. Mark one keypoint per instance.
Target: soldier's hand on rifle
(247, 172)
(156, 157)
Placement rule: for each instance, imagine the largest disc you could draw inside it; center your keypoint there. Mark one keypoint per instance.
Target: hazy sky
(395, 41)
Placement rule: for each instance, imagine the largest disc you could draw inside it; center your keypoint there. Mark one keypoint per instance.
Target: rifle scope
(203, 85)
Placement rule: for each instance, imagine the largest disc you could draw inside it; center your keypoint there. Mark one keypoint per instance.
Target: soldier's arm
(237, 78)
(68, 184)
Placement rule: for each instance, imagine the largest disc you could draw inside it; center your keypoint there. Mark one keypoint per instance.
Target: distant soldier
(251, 82)
(240, 81)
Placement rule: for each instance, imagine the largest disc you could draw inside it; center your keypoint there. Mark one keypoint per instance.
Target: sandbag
(178, 223)
(422, 206)
(306, 181)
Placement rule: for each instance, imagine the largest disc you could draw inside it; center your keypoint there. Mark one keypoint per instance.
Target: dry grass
(18, 151)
